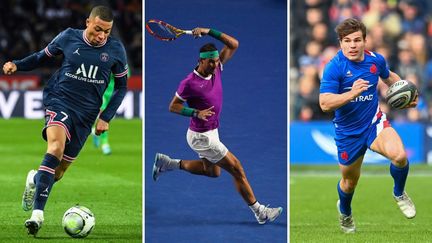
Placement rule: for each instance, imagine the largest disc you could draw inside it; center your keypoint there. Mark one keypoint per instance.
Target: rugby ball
(401, 93)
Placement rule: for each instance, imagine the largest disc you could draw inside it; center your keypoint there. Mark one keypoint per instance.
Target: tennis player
(202, 91)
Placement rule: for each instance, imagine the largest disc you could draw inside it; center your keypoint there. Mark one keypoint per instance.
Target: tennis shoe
(163, 163)
(265, 214)
(346, 221)
(406, 205)
(33, 225)
(29, 191)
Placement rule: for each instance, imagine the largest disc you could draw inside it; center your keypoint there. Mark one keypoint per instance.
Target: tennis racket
(164, 31)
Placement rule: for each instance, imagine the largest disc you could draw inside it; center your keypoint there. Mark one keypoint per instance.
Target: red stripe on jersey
(379, 115)
(386, 123)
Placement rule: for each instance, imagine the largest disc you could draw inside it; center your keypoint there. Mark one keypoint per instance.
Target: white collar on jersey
(88, 42)
(199, 75)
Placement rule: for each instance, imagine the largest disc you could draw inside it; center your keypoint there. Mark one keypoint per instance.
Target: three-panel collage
(226, 121)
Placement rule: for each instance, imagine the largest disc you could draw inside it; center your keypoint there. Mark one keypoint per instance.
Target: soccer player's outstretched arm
(36, 59)
(231, 44)
(28, 63)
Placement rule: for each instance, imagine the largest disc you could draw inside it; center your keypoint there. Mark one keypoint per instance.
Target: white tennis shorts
(207, 145)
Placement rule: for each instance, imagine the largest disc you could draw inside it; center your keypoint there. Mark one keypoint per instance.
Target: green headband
(209, 54)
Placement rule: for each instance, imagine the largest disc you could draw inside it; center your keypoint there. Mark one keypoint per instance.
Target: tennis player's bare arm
(176, 106)
(231, 44)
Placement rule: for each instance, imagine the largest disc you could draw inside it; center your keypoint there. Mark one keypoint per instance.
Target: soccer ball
(401, 93)
(78, 221)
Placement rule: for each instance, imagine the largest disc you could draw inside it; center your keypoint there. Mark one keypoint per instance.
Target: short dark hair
(349, 26)
(103, 12)
(208, 47)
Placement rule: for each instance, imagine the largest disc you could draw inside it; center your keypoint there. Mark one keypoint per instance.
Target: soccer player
(349, 88)
(202, 90)
(72, 98)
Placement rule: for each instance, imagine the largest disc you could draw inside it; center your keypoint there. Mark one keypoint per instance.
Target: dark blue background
(182, 207)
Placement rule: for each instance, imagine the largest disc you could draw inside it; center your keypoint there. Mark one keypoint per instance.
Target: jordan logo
(76, 52)
(45, 192)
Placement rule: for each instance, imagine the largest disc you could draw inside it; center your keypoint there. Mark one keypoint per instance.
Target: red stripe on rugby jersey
(386, 123)
(369, 53)
(121, 74)
(379, 115)
(47, 169)
(68, 158)
(87, 41)
(52, 114)
(47, 52)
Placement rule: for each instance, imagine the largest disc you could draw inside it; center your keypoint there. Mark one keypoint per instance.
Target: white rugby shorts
(207, 145)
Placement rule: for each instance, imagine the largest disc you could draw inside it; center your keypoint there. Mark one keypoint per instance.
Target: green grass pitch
(313, 215)
(111, 186)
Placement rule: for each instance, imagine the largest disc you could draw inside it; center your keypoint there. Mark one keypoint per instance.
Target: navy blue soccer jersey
(84, 75)
(338, 77)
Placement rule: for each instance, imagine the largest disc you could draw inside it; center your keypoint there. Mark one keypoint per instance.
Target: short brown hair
(349, 26)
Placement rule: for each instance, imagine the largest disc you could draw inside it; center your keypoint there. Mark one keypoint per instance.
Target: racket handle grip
(188, 32)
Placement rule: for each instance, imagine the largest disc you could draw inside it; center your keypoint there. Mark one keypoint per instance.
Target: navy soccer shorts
(76, 132)
(351, 147)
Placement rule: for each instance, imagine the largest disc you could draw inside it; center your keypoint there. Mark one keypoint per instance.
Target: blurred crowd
(400, 30)
(27, 26)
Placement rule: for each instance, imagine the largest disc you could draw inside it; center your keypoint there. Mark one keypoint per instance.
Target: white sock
(255, 207)
(173, 165)
(37, 213)
(177, 163)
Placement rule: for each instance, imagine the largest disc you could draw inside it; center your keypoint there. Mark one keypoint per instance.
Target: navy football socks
(399, 176)
(345, 201)
(44, 180)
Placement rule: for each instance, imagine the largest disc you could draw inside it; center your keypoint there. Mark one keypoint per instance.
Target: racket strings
(162, 31)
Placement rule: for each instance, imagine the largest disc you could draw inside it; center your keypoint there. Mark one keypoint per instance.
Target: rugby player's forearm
(31, 62)
(393, 78)
(330, 102)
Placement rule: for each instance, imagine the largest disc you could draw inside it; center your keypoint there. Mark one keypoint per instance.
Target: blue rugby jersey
(338, 77)
(80, 82)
